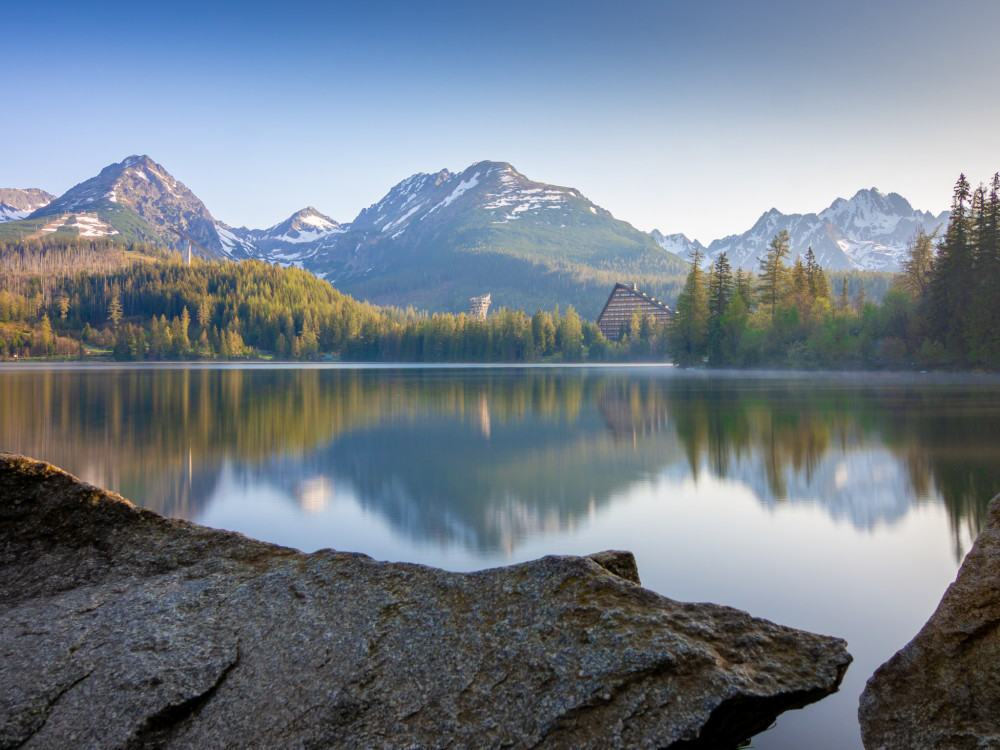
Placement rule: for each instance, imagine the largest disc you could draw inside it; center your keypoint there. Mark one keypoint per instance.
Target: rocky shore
(942, 690)
(123, 629)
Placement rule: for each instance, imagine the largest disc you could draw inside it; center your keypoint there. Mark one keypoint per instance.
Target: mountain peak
(311, 219)
(870, 231)
(139, 186)
(16, 204)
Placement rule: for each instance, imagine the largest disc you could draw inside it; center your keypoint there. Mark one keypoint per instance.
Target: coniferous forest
(82, 298)
(943, 310)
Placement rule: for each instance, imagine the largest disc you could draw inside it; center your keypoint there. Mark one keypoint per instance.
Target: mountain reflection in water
(486, 457)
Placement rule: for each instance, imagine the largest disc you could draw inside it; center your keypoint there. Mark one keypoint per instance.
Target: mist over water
(837, 504)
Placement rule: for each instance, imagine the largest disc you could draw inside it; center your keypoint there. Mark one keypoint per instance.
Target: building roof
(635, 291)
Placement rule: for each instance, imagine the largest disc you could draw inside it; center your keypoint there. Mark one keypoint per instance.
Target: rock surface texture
(942, 690)
(123, 629)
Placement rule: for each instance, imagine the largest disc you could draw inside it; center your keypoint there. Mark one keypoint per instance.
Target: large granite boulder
(123, 629)
(942, 690)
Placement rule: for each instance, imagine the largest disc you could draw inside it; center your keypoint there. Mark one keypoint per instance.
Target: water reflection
(484, 458)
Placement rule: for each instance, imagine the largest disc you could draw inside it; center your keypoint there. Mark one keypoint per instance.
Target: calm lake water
(842, 505)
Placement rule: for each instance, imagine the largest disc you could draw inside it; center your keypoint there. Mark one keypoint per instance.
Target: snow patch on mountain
(463, 186)
(9, 213)
(678, 244)
(86, 225)
(871, 231)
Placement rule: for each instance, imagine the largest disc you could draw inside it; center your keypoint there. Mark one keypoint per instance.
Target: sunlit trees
(773, 271)
(115, 310)
(571, 335)
(689, 336)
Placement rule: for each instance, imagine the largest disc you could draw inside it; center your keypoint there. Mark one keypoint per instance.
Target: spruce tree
(115, 310)
(983, 337)
(720, 286)
(721, 290)
(819, 284)
(918, 265)
(690, 329)
(743, 286)
(953, 275)
(773, 271)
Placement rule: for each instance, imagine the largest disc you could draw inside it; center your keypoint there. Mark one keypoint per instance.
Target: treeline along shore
(74, 297)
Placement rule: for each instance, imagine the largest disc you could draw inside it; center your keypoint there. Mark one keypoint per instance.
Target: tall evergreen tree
(819, 284)
(115, 310)
(983, 335)
(773, 271)
(690, 330)
(720, 286)
(743, 284)
(918, 264)
(954, 274)
(721, 290)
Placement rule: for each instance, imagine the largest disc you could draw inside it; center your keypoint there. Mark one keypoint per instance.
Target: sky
(693, 117)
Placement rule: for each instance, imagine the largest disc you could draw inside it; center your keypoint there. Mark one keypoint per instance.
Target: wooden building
(624, 302)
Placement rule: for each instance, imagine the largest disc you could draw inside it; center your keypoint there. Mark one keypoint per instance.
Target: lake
(838, 504)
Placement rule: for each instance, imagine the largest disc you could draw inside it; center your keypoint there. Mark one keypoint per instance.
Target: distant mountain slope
(16, 204)
(437, 239)
(869, 232)
(292, 242)
(140, 200)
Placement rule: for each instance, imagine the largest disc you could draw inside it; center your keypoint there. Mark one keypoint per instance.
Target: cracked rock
(120, 628)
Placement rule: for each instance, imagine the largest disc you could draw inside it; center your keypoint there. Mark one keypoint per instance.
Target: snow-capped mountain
(18, 204)
(870, 232)
(294, 241)
(139, 199)
(9, 213)
(437, 239)
(678, 244)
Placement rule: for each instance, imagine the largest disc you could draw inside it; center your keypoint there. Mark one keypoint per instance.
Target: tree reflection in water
(482, 457)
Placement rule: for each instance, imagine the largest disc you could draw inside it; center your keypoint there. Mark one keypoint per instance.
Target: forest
(943, 310)
(79, 298)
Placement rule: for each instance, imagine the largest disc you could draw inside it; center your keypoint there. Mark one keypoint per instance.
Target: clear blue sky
(690, 117)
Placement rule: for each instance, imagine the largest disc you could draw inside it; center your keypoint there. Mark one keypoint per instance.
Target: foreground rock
(942, 690)
(120, 628)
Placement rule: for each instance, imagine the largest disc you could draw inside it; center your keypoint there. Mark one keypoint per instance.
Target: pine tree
(204, 313)
(689, 335)
(953, 275)
(773, 271)
(720, 286)
(44, 340)
(743, 286)
(844, 300)
(721, 291)
(571, 336)
(860, 299)
(983, 337)
(115, 310)
(819, 284)
(918, 264)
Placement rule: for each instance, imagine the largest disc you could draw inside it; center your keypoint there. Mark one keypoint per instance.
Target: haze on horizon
(685, 117)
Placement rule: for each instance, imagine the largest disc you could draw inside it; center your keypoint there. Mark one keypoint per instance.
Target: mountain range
(870, 232)
(435, 240)
(18, 204)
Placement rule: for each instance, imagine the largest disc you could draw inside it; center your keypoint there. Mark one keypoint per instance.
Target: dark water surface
(838, 504)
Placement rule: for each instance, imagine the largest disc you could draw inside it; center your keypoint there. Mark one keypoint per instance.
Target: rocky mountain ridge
(17, 204)
(870, 232)
(140, 200)
(437, 239)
